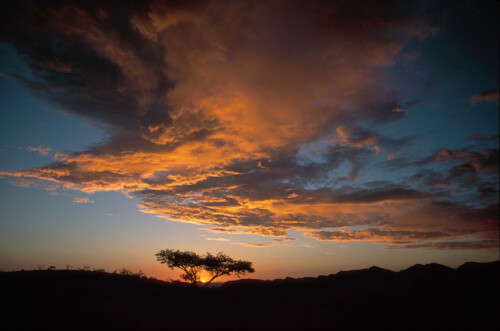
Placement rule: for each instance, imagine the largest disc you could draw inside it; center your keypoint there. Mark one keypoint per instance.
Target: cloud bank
(235, 114)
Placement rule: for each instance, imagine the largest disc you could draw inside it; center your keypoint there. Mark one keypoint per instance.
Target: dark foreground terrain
(423, 297)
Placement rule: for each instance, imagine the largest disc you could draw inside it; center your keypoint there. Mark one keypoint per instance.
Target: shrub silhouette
(192, 264)
(125, 272)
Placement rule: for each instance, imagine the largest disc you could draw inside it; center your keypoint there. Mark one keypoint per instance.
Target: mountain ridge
(416, 268)
(421, 297)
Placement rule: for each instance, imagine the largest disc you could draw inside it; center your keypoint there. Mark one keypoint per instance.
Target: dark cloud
(106, 63)
(378, 195)
(484, 160)
(490, 96)
(482, 137)
(490, 245)
(465, 168)
(377, 235)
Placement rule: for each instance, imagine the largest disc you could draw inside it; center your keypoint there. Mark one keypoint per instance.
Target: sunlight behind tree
(192, 264)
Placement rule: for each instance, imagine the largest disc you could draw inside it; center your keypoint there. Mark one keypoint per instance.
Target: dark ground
(430, 297)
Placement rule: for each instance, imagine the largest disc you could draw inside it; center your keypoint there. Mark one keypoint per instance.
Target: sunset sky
(308, 137)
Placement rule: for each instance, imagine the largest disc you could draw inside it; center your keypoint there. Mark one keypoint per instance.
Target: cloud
(488, 245)
(41, 150)
(490, 96)
(284, 239)
(358, 138)
(376, 235)
(271, 244)
(469, 159)
(227, 230)
(82, 200)
(484, 160)
(400, 110)
(217, 239)
(422, 222)
(226, 114)
(481, 137)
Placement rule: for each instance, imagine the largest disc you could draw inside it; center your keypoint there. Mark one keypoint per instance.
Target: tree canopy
(192, 264)
(189, 262)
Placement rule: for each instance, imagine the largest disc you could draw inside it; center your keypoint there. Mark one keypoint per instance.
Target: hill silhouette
(422, 297)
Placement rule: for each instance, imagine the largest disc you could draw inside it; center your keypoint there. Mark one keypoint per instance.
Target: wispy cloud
(376, 235)
(490, 96)
(284, 239)
(271, 244)
(41, 150)
(488, 245)
(217, 239)
(82, 200)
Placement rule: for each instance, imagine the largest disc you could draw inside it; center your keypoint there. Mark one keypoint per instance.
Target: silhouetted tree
(189, 262)
(192, 264)
(221, 264)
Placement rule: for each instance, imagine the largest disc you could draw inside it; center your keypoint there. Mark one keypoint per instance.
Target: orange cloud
(217, 239)
(271, 244)
(82, 200)
(348, 137)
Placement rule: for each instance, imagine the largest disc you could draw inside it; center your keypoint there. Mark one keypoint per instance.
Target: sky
(308, 137)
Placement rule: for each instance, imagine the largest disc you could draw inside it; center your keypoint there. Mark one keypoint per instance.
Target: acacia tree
(189, 262)
(192, 264)
(221, 264)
